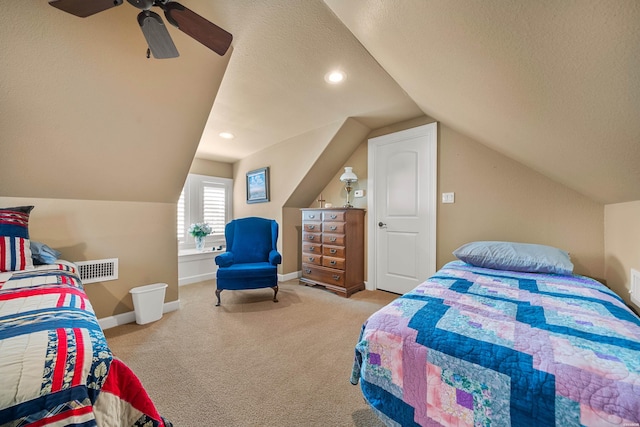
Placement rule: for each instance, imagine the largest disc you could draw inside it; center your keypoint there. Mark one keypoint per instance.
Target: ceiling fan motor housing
(141, 4)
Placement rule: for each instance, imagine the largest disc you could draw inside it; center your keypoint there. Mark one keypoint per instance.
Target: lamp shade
(348, 175)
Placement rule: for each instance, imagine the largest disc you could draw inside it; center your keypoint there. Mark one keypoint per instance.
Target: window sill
(193, 252)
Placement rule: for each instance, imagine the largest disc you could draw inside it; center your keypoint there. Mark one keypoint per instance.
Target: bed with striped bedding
(56, 368)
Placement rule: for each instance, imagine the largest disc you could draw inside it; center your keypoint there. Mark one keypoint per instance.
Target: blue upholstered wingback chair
(251, 259)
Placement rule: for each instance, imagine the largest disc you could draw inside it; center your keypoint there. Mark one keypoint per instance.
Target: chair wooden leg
(218, 292)
(275, 293)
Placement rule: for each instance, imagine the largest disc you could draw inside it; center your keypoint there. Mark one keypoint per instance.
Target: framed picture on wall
(258, 185)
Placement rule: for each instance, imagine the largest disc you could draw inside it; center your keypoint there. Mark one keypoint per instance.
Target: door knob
(382, 225)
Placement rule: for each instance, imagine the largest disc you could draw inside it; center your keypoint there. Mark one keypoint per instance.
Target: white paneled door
(402, 208)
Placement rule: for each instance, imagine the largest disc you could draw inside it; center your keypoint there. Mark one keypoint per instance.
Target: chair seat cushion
(247, 270)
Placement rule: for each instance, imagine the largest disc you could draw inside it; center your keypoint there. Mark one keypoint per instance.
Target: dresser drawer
(314, 227)
(312, 216)
(333, 262)
(333, 227)
(312, 248)
(322, 274)
(312, 237)
(333, 216)
(334, 251)
(333, 239)
(312, 259)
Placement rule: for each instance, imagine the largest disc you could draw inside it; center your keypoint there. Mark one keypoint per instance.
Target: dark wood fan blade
(84, 8)
(157, 35)
(194, 25)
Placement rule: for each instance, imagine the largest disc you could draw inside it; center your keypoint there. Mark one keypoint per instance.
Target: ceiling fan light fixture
(335, 77)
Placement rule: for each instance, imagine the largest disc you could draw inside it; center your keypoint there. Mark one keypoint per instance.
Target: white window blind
(214, 206)
(181, 214)
(204, 199)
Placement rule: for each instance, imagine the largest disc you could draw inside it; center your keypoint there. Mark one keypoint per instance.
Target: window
(204, 199)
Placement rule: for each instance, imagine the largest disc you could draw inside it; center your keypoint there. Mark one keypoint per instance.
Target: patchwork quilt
(55, 366)
(481, 347)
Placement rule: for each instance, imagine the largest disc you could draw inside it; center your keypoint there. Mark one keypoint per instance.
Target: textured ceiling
(274, 87)
(554, 84)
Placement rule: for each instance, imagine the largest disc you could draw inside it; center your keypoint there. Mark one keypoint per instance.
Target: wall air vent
(635, 287)
(100, 270)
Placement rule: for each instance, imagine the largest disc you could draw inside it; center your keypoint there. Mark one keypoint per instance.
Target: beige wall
(100, 139)
(622, 245)
(335, 193)
(211, 168)
(85, 115)
(140, 234)
(288, 163)
(497, 198)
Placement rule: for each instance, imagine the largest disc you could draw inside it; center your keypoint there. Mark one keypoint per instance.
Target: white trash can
(148, 302)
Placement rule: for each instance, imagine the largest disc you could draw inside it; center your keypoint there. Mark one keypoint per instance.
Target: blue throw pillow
(43, 254)
(526, 257)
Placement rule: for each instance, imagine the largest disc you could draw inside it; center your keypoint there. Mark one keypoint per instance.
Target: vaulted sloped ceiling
(85, 115)
(274, 88)
(554, 84)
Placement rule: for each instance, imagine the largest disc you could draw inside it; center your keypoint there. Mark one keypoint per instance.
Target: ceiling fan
(157, 36)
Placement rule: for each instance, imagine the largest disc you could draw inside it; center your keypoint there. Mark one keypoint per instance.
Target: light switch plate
(358, 193)
(448, 197)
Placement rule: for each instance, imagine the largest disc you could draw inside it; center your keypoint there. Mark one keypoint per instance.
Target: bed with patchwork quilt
(478, 346)
(55, 366)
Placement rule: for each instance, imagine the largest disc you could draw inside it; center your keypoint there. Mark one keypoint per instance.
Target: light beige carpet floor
(253, 362)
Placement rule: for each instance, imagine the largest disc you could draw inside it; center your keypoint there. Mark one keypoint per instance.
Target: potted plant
(199, 231)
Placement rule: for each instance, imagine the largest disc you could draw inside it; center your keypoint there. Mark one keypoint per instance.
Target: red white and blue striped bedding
(480, 347)
(55, 366)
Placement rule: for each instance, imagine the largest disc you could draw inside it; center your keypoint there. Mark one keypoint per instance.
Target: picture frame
(258, 185)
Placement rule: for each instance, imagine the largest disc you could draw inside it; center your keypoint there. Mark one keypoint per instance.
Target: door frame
(430, 131)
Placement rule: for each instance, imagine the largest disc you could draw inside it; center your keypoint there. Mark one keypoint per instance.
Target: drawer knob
(336, 277)
(334, 216)
(307, 270)
(310, 237)
(311, 216)
(333, 251)
(311, 258)
(312, 248)
(333, 227)
(311, 227)
(333, 239)
(332, 262)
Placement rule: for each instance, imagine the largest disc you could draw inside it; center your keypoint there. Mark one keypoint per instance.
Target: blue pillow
(511, 256)
(43, 254)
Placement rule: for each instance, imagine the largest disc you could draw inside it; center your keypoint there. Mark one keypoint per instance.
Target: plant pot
(200, 243)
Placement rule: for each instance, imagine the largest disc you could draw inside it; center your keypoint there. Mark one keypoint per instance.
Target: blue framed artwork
(258, 185)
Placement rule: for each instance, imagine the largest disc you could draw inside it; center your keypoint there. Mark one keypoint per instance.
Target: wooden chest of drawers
(333, 249)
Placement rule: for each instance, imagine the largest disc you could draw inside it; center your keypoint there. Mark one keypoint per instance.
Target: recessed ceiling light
(335, 77)
(226, 135)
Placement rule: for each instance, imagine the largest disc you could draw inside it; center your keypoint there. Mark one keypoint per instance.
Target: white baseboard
(196, 279)
(130, 316)
(289, 276)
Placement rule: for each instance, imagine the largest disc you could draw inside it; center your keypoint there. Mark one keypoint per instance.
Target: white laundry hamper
(148, 302)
